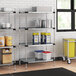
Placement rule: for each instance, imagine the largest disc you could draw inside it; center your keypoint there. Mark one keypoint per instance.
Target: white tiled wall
(26, 3)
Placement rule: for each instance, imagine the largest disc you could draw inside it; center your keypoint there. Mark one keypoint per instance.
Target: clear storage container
(47, 38)
(35, 38)
(47, 55)
(39, 54)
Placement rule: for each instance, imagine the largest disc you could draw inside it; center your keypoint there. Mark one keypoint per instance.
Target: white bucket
(47, 55)
(39, 54)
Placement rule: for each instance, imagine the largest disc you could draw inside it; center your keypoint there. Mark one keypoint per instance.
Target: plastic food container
(42, 37)
(47, 38)
(47, 55)
(39, 54)
(35, 38)
(2, 41)
(8, 40)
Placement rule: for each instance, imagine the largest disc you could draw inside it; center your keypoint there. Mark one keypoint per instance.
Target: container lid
(39, 51)
(46, 52)
(47, 33)
(35, 33)
(42, 33)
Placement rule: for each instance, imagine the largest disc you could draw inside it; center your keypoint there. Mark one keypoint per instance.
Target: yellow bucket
(2, 41)
(8, 40)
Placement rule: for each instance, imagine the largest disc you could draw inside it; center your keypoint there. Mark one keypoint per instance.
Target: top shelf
(31, 28)
(6, 47)
(7, 29)
(26, 12)
(7, 12)
(35, 12)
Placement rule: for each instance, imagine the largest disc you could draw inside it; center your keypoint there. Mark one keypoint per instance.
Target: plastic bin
(8, 40)
(47, 55)
(2, 41)
(38, 54)
(47, 38)
(69, 47)
(35, 38)
(42, 37)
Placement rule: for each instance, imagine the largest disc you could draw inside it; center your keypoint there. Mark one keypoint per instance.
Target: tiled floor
(38, 66)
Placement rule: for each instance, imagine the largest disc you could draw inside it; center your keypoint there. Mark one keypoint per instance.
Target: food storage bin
(8, 40)
(6, 56)
(39, 54)
(35, 38)
(47, 38)
(47, 55)
(2, 41)
(42, 37)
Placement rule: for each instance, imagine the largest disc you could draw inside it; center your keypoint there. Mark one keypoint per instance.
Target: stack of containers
(6, 54)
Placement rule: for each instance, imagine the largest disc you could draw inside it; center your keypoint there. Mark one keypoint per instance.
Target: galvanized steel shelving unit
(4, 29)
(27, 45)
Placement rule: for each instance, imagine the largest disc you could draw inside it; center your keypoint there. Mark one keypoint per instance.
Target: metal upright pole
(54, 37)
(19, 41)
(46, 28)
(26, 43)
(15, 49)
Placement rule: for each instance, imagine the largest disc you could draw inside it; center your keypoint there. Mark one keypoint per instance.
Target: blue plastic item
(40, 51)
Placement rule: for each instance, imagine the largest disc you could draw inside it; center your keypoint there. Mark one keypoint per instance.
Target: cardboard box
(6, 56)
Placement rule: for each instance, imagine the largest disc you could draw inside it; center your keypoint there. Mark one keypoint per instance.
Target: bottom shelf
(6, 64)
(33, 60)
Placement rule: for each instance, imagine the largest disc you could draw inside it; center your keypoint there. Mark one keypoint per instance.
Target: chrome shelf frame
(2, 29)
(30, 44)
(33, 60)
